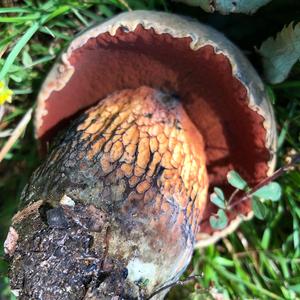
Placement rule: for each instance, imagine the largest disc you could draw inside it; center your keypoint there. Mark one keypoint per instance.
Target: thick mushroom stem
(115, 208)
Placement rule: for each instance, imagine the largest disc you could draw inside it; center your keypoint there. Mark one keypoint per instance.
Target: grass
(262, 258)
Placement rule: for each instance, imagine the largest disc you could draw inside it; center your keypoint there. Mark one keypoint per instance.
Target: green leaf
(280, 54)
(219, 221)
(219, 193)
(26, 59)
(217, 200)
(271, 191)
(228, 6)
(236, 180)
(259, 209)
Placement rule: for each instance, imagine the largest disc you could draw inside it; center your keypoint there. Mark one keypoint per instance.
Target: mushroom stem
(122, 191)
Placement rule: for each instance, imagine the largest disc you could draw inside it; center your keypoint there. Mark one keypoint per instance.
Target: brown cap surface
(221, 92)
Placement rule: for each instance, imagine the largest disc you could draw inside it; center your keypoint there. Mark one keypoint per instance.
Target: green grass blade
(59, 11)
(234, 278)
(14, 10)
(19, 19)
(17, 48)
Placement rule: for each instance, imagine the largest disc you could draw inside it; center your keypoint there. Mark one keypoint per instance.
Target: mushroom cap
(219, 89)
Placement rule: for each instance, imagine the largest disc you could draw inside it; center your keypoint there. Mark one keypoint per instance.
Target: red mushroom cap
(221, 92)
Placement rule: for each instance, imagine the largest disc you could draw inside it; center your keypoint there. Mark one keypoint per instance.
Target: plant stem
(178, 282)
(281, 171)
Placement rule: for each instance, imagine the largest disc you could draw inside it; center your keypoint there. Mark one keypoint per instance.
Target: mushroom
(145, 113)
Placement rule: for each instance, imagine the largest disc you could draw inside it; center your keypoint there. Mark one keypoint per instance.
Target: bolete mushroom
(161, 108)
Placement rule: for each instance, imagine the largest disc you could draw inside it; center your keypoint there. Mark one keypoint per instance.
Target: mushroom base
(61, 258)
(60, 261)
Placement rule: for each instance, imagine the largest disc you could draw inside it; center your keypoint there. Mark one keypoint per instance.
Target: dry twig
(16, 134)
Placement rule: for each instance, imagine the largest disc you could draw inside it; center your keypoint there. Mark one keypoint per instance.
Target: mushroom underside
(214, 99)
